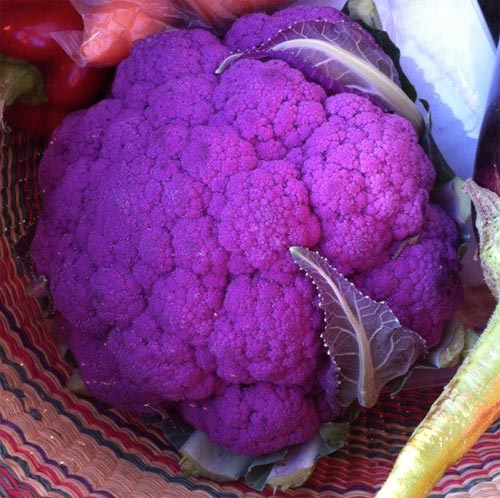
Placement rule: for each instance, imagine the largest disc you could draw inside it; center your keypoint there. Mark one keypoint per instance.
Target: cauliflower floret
(278, 113)
(89, 125)
(251, 337)
(255, 418)
(380, 176)
(162, 59)
(265, 212)
(253, 29)
(420, 282)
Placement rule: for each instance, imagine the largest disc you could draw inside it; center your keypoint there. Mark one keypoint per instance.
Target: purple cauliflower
(169, 211)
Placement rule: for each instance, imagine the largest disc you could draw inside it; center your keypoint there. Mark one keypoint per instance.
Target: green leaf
(365, 11)
(20, 81)
(288, 467)
(333, 436)
(176, 430)
(259, 469)
(456, 204)
(444, 173)
(487, 205)
(298, 464)
(203, 458)
(448, 352)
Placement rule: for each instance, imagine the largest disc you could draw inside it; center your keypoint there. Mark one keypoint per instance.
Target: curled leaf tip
(366, 11)
(230, 59)
(487, 205)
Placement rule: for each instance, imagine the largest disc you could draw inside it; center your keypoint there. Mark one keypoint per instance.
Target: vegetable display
(470, 403)
(241, 234)
(26, 34)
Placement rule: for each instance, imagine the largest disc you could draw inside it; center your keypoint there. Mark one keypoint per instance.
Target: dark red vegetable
(38, 120)
(25, 33)
(487, 164)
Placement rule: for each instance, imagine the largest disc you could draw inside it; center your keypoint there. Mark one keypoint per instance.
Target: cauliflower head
(169, 209)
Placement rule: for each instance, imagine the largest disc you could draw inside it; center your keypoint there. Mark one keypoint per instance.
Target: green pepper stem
(468, 405)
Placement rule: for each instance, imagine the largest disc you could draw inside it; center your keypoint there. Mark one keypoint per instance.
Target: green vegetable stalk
(470, 403)
(19, 81)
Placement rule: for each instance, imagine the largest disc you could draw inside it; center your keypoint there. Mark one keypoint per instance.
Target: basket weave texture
(55, 444)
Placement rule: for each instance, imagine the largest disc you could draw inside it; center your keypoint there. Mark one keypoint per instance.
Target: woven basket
(55, 444)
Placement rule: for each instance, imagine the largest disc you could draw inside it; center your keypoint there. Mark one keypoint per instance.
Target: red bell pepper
(25, 33)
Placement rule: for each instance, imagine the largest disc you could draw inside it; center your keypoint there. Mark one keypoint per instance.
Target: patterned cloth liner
(54, 444)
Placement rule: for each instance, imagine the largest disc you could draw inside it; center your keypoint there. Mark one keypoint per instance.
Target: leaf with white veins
(340, 57)
(363, 337)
